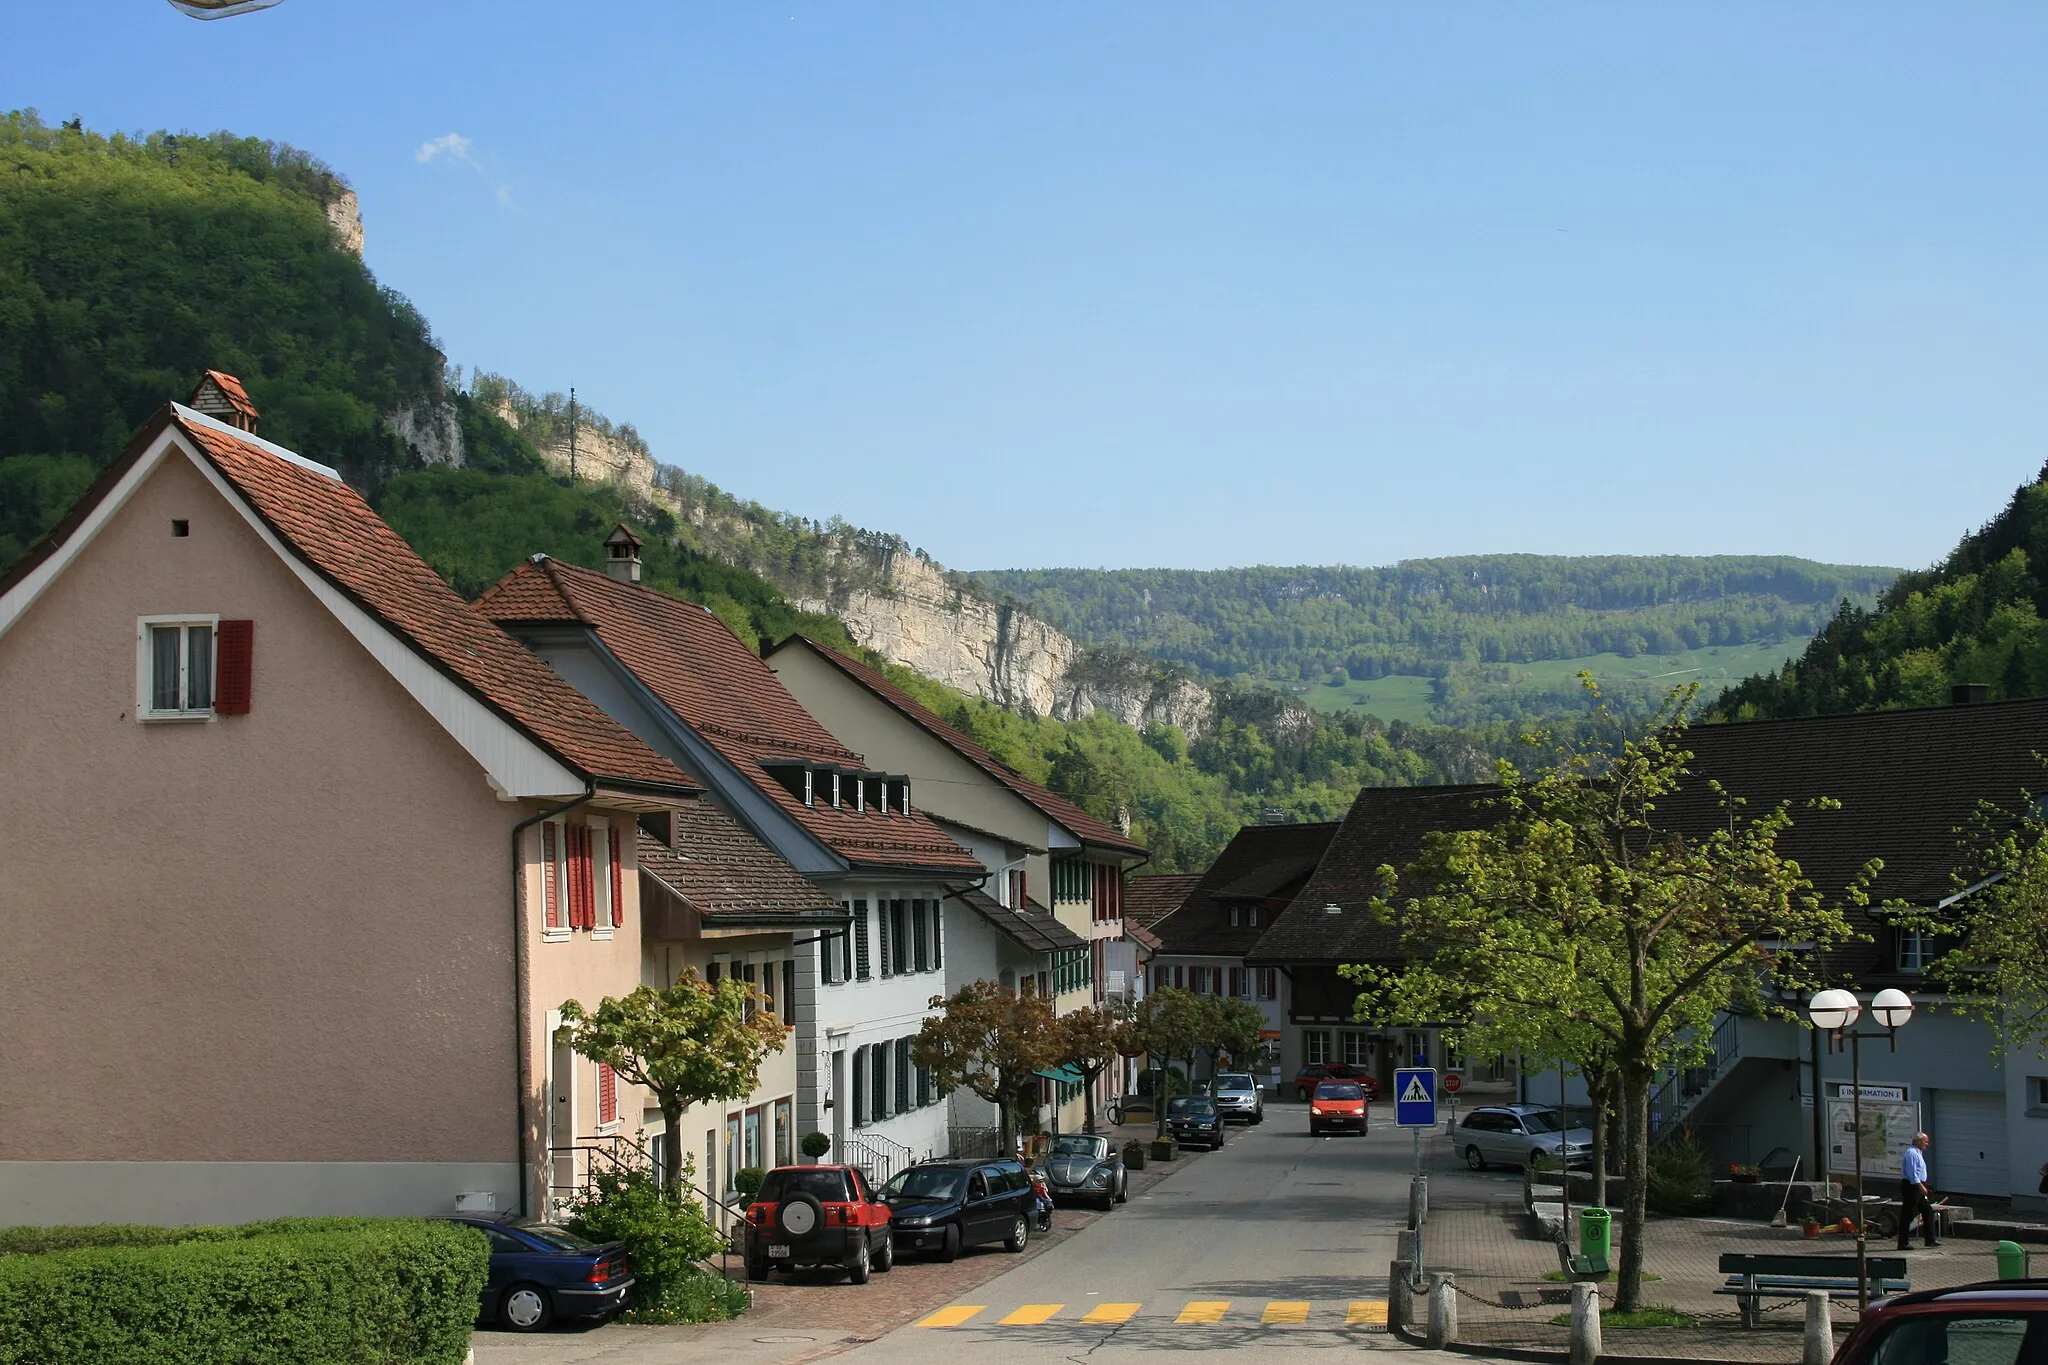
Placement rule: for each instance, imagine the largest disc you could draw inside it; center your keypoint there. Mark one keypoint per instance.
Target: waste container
(1596, 1234)
(2012, 1261)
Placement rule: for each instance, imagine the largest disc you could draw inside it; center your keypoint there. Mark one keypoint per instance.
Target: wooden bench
(1753, 1278)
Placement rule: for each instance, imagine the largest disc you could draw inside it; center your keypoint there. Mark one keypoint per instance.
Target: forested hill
(1977, 617)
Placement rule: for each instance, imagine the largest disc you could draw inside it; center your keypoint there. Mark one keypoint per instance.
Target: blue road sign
(1415, 1097)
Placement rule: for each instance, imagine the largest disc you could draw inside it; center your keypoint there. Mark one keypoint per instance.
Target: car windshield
(1541, 1121)
(826, 1185)
(1080, 1144)
(561, 1239)
(1231, 1081)
(1190, 1107)
(921, 1183)
(1339, 1090)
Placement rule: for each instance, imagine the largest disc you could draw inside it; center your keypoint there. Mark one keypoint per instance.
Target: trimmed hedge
(303, 1291)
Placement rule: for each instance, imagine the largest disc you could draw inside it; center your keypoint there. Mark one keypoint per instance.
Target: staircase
(878, 1156)
(1683, 1091)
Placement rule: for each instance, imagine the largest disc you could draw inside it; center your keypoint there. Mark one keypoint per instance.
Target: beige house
(350, 844)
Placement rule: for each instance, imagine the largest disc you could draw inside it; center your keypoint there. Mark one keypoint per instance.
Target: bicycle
(1113, 1110)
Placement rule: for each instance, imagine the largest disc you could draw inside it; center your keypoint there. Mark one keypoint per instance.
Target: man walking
(1914, 1196)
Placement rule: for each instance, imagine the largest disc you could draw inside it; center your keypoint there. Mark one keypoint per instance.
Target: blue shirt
(1916, 1166)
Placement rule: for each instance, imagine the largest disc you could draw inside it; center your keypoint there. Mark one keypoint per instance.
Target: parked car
(1315, 1073)
(945, 1207)
(1337, 1107)
(817, 1215)
(1238, 1096)
(1516, 1134)
(1195, 1119)
(540, 1272)
(1082, 1166)
(2000, 1322)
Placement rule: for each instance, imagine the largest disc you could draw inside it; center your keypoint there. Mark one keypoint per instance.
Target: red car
(1337, 1107)
(818, 1215)
(1315, 1073)
(2001, 1322)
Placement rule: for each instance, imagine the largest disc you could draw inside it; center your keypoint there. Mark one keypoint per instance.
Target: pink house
(302, 853)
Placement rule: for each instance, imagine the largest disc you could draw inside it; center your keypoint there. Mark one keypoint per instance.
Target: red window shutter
(618, 881)
(1180, 977)
(1236, 983)
(234, 645)
(551, 894)
(607, 1094)
(582, 893)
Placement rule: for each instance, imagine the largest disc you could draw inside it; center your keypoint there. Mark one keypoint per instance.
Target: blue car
(540, 1272)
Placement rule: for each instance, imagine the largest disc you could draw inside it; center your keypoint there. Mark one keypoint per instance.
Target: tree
(992, 1040)
(1175, 1025)
(695, 1042)
(1238, 1026)
(1581, 905)
(1092, 1040)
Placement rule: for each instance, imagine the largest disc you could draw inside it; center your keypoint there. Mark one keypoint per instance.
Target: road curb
(1543, 1355)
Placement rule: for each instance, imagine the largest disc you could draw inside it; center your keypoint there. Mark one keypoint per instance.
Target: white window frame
(558, 869)
(601, 875)
(1315, 1041)
(1913, 954)
(144, 711)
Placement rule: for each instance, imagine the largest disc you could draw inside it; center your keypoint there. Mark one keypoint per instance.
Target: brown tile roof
(1034, 928)
(1054, 807)
(329, 527)
(718, 868)
(1272, 860)
(521, 596)
(1147, 900)
(708, 677)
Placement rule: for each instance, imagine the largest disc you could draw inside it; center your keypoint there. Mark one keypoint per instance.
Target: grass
(1650, 1316)
(1557, 1277)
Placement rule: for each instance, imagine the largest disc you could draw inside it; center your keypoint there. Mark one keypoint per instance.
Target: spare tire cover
(801, 1216)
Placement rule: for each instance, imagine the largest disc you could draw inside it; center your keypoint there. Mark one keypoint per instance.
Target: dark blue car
(540, 1272)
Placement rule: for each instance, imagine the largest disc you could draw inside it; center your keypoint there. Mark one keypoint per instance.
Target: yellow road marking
(1031, 1314)
(1366, 1313)
(1112, 1313)
(954, 1316)
(1285, 1312)
(1204, 1311)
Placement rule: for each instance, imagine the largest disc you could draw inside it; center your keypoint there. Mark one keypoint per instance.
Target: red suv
(817, 1215)
(2002, 1322)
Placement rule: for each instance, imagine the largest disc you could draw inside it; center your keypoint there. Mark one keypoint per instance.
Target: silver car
(1516, 1134)
(1239, 1097)
(1082, 1166)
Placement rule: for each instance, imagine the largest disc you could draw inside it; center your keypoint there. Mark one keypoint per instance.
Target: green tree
(1093, 1039)
(1175, 1025)
(694, 1043)
(1580, 905)
(992, 1040)
(1238, 1025)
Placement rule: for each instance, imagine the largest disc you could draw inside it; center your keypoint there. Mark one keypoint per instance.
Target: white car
(1516, 1134)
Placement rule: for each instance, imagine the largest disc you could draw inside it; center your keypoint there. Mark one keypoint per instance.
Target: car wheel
(1123, 1192)
(949, 1248)
(757, 1270)
(1474, 1160)
(857, 1273)
(887, 1259)
(1020, 1235)
(1259, 1117)
(526, 1308)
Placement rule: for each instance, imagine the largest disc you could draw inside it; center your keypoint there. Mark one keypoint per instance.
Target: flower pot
(1163, 1149)
(1134, 1156)
(1809, 1230)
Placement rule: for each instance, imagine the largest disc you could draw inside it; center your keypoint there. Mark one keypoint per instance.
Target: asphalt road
(1279, 1242)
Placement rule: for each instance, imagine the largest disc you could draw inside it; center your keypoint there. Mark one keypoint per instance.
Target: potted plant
(1134, 1155)
(1164, 1149)
(746, 1182)
(1809, 1222)
(1744, 1175)
(815, 1145)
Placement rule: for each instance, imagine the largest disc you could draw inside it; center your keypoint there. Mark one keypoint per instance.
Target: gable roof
(720, 870)
(323, 524)
(708, 678)
(1147, 900)
(1035, 929)
(1259, 864)
(1062, 812)
(223, 391)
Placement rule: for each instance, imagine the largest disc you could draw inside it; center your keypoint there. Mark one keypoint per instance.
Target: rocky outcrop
(598, 457)
(346, 216)
(431, 431)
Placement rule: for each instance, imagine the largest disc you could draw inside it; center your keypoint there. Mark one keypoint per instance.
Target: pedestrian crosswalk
(1368, 1314)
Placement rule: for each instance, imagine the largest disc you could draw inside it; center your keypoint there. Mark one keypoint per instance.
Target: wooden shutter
(551, 893)
(618, 881)
(1236, 983)
(582, 889)
(607, 1094)
(234, 645)
(882, 909)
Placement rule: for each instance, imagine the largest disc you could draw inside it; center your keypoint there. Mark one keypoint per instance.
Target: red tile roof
(1054, 807)
(231, 389)
(328, 526)
(721, 689)
(719, 868)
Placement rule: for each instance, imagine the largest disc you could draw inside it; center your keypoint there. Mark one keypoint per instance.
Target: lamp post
(1835, 1012)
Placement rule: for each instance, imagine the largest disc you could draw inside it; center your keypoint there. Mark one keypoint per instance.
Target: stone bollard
(1585, 1347)
(1418, 1200)
(1443, 1312)
(1820, 1330)
(1400, 1298)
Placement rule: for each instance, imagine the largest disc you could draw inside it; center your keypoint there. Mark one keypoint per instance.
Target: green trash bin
(1596, 1234)
(2012, 1261)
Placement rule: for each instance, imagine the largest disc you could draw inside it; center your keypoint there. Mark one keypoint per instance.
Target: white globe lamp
(1891, 1007)
(1834, 1010)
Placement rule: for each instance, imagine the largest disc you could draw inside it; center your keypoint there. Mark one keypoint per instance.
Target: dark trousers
(1915, 1203)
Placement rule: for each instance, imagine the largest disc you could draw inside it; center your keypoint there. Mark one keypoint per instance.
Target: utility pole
(572, 433)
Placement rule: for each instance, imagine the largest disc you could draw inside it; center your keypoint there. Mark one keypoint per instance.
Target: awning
(1068, 1074)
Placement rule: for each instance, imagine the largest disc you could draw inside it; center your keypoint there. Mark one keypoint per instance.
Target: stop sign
(1453, 1084)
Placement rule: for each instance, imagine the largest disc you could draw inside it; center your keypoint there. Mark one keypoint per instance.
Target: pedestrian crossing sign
(1415, 1097)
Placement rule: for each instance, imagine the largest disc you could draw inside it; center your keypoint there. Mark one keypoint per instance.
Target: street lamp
(1835, 1012)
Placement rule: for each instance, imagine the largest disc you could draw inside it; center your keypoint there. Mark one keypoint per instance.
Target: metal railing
(978, 1143)
(588, 1158)
(878, 1156)
(1683, 1090)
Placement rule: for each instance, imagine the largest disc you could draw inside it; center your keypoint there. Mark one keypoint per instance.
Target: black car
(540, 1272)
(1194, 1119)
(1081, 1166)
(945, 1206)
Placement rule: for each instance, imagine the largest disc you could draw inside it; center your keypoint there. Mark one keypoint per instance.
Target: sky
(1196, 284)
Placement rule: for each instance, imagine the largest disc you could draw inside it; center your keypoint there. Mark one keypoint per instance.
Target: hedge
(292, 1292)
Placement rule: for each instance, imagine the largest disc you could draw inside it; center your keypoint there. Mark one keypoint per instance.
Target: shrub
(1681, 1179)
(747, 1180)
(291, 1292)
(665, 1238)
(816, 1145)
(697, 1297)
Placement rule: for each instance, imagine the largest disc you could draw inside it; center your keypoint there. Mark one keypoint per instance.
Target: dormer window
(835, 789)
(902, 802)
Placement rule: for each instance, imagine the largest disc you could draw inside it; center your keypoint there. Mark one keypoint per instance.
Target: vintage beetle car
(1084, 1166)
(818, 1215)
(946, 1206)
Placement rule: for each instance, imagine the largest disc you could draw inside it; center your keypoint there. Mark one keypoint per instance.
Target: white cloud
(454, 144)
(504, 196)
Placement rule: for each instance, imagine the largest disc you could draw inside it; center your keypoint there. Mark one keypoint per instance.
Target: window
(1251, 916)
(1913, 954)
(1267, 981)
(597, 854)
(878, 1082)
(569, 891)
(785, 1134)
(897, 939)
(732, 1148)
(1357, 1049)
(754, 1137)
(2037, 1097)
(1236, 983)
(1978, 1339)
(1416, 1049)
(174, 670)
(860, 939)
(607, 1094)
(1315, 1045)
(1015, 884)
(902, 1075)
(860, 1087)
(789, 993)
(553, 922)
(828, 952)
(1454, 1058)
(1233, 917)
(883, 915)
(770, 980)
(922, 956)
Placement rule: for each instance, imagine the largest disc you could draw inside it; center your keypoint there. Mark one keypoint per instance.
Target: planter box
(1134, 1156)
(1164, 1149)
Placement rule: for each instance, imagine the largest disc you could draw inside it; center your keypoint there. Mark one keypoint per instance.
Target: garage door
(1969, 1142)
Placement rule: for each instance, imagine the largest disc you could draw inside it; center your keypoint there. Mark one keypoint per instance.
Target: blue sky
(1199, 284)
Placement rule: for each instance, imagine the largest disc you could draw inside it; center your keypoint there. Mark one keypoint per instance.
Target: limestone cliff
(346, 214)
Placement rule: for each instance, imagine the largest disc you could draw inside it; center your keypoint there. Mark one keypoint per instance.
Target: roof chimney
(1969, 694)
(222, 397)
(1272, 815)
(622, 554)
